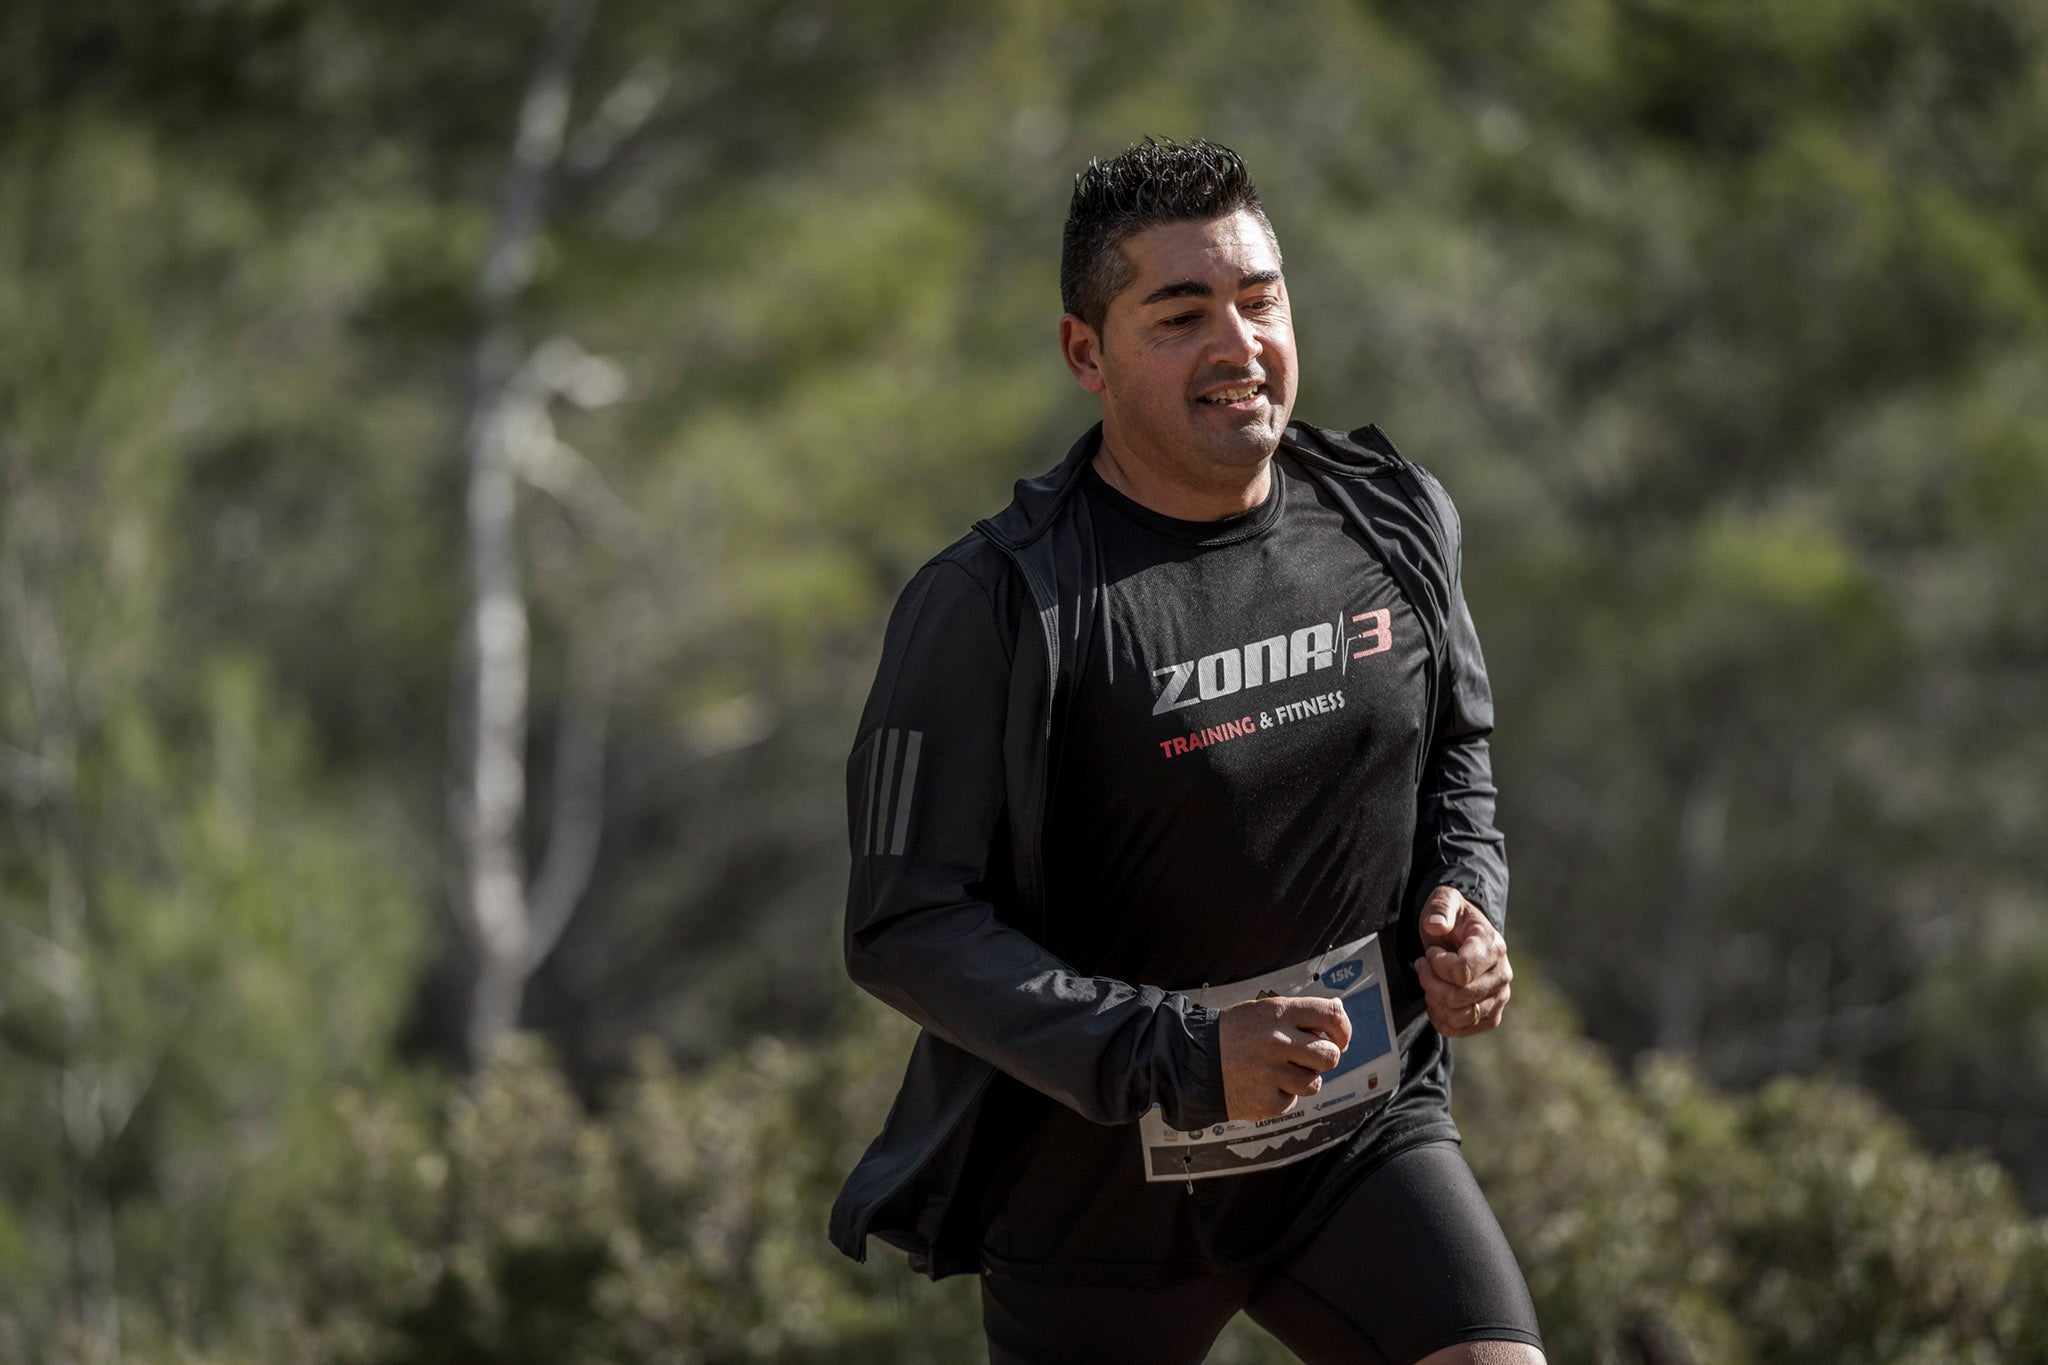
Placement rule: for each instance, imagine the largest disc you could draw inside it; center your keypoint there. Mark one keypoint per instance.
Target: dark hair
(1150, 183)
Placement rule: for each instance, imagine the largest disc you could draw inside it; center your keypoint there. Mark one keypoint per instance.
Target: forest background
(457, 459)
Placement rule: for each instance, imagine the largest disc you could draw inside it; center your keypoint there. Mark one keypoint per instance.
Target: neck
(1183, 494)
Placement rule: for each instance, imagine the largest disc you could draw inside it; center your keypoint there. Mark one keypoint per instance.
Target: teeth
(1232, 395)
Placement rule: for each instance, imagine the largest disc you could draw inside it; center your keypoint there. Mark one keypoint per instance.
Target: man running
(1172, 826)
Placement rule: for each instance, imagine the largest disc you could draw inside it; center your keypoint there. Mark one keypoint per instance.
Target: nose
(1235, 341)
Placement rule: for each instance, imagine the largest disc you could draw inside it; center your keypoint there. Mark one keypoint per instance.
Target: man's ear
(1082, 348)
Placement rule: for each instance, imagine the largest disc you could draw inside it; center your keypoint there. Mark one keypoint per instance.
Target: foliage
(202, 927)
(1656, 1216)
(684, 1221)
(1723, 322)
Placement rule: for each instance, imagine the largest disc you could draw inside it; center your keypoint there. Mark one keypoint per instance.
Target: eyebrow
(1196, 289)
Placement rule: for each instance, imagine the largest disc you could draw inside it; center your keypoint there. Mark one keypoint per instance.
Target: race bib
(1362, 1080)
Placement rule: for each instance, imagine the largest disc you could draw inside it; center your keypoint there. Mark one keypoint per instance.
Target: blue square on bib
(1368, 1031)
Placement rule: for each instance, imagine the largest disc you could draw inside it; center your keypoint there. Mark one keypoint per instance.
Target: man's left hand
(1464, 967)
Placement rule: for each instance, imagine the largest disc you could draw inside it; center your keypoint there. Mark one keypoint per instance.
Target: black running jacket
(955, 943)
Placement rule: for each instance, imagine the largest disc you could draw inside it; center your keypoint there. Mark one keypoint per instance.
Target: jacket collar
(1365, 450)
(1036, 502)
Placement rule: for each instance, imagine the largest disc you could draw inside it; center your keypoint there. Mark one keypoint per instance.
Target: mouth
(1238, 396)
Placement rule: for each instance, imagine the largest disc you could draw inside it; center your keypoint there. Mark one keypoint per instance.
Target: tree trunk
(489, 806)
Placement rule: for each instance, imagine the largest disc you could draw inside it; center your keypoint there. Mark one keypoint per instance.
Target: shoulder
(1437, 500)
(1366, 461)
(973, 557)
(966, 590)
(973, 565)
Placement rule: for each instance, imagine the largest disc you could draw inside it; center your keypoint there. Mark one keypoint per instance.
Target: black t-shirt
(1235, 793)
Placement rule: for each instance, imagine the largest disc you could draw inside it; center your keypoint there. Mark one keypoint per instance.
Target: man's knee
(1485, 1353)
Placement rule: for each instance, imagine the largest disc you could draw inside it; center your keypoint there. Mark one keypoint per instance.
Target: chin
(1248, 447)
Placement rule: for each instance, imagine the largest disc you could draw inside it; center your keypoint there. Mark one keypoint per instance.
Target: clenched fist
(1464, 966)
(1275, 1051)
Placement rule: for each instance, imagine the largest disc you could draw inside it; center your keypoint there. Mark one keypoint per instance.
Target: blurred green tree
(1724, 323)
(202, 927)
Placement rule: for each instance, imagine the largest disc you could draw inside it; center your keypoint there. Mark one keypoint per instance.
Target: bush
(683, 1224)
(1657, 1220)
(1661, 1221)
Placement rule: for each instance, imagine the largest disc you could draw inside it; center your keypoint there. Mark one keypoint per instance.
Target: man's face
(1195, 361)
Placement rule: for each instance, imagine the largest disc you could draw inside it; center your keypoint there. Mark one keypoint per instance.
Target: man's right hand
(1274, 1051)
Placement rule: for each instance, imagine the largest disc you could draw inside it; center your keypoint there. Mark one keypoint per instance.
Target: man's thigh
(1412, 1262)
(1039, 1324)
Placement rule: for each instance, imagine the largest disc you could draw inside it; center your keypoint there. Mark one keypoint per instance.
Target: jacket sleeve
(1456, 842)
(928, 827)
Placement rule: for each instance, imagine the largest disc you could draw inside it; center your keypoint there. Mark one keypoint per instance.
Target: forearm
(1457, 843)
(1105, 1048)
